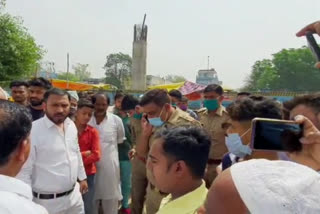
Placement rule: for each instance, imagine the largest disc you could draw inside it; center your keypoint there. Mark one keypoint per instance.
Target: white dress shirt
(55, 161)
(107, 180)
(16, 197)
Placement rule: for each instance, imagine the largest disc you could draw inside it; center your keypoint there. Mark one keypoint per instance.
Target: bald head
(221, 189)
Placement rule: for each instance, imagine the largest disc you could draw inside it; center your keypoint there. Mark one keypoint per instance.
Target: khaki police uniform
(213, 125)
(139, 177)
(154, 196)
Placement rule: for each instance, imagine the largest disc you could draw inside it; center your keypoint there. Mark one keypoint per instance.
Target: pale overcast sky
(182, 33)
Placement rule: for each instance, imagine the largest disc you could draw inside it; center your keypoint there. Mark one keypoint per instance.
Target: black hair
(258, 97)
(159, 97)
(18, 83)
(184, 99)
(15, 126)
(309, 100)
(55, 91)
(190, 144)
(244, 93)
(94, 97)
(247, 109)
(175, 93)
(119, 95)
(129, 102)
(214, 88)
(85, 103)
(40, 82)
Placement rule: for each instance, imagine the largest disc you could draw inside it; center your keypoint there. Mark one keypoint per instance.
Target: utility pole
(67, 70)
(208, 63)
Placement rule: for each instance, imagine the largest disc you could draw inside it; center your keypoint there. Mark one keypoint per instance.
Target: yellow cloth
(186, 204)
(168, 87)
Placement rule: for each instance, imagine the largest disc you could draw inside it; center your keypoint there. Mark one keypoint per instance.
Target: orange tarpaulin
(76, 86)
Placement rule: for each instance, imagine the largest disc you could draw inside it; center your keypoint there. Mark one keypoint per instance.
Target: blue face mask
(211, 105)
(235, 146)
(156, 121)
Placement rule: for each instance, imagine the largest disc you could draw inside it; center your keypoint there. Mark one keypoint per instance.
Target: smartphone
(314, 47)
(276, 135)
(146, 117)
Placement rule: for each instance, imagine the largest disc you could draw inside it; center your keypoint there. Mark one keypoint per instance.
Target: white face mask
(235, 146)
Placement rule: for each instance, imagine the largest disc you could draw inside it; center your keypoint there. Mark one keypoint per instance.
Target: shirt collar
(174, 116)
(10, 184)
(105, 118)
(219, 111)
(87, 128)
(50, 124)
(188, 202)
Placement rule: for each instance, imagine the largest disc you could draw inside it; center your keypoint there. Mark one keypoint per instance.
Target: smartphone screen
(276, 135)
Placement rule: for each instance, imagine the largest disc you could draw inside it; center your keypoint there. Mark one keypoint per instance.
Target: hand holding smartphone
(276, 135)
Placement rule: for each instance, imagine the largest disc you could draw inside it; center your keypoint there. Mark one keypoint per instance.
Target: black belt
(52, 196)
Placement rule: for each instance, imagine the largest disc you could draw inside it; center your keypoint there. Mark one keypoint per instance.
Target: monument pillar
(139, 57)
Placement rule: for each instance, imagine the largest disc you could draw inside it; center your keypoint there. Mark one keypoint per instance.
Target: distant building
(95, 80)
(47, 70)
(207, 77)
(155, 80)
(47, 74)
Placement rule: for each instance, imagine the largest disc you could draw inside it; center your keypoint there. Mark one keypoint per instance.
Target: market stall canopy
(76, 86)
(168, 87)
(189, 89)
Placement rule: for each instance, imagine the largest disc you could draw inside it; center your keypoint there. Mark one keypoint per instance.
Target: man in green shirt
(124, 149)
(177, 161)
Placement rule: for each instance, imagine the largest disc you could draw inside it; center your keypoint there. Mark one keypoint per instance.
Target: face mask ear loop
(245, 133)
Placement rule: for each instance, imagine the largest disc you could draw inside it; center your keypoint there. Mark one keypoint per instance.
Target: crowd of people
(67, 153)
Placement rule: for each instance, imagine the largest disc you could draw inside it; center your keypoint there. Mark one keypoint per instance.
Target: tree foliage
(288, 70)
(175, 78)
(81, 71)
(19, 54)
(68, 76)
(118, 69)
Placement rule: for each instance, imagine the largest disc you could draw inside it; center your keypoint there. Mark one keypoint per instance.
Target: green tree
(118, 69)
(81, 71)
(288, 70)
(19, 54)
(68, 76)
(175, 78)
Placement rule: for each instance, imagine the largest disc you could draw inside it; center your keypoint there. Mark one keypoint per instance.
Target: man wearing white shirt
(15, 126)
(55, 162)
(111, 133)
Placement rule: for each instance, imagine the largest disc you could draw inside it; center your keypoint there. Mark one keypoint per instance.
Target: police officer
(212, 117)
(130, 105)
(158, 113)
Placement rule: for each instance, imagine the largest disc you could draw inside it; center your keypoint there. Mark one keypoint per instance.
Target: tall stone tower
(139, 56)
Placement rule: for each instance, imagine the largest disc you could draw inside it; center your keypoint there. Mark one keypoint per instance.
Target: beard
(36, 102)
(57, 118)
(72, 111)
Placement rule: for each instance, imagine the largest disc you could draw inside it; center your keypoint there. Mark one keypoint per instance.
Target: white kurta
(107, 179)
